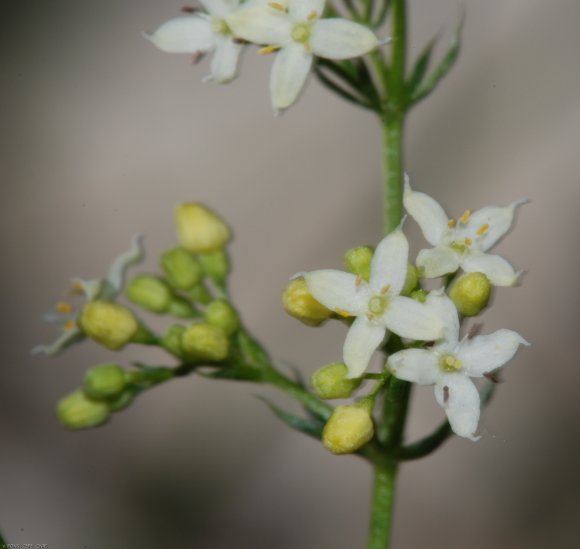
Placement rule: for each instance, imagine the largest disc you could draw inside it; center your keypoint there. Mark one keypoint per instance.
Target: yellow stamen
(268, 49)
(370, 316)
(69, 325)
(278, 7)
(76, 288)
(342, 313)
(482, 230)
(359, 280)
(312, 15)
(465, 217)
(385, 289)
(63, 308)
(468, 242)
(451, 223)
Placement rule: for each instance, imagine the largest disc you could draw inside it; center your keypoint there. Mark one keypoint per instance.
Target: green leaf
(311, 427)
(420, 68)
(441, 70)
(237, 373)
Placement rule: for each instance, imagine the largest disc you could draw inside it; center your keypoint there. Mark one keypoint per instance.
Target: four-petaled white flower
(450, 363)
(294, 29)
(376, 304)
(461, 242)
(204, 33)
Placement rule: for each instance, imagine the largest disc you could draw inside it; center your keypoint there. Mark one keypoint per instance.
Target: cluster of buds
(382, 293)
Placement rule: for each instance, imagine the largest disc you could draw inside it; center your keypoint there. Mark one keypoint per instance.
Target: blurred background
(102, 135)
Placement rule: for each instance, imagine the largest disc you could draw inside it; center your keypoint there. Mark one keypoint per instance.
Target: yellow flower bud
(221, 314)
(330, 381)
(182, 269)
(104, 381)
(348, 429)
(299, 303)
(411, 280)
(205, 342)
(109, 324)
(171, 340)
(78, 411)
(199, 229)
(149, 292)
(471, 293)
(358, 261)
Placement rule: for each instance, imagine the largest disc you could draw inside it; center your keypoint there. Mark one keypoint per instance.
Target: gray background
(102, 135)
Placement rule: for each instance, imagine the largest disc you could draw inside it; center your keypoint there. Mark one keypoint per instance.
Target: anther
(468, 242)
(312, 16)
(492, 376)
(445, 394)
(268, 49)
(359, 280)
(451, 223)
(465, 217)
(342, 312)
(63, 308)
(385, 289)
(474, 330)
(69, 325)
(196, 57)
(482, 230)
(370, 316)
(278, 7)
(189, 9)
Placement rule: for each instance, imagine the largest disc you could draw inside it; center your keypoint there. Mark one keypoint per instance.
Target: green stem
(383, 498)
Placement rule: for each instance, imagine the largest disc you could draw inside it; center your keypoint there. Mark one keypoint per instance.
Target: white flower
(204, 33)
(102, 289)
(461, 242)
(294, 29)
(376, 304)
(450, 363)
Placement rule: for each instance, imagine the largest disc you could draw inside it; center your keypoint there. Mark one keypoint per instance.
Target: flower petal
(300, 10)
(224, 63)
(217, 8)
(261, 25)
(67, 339)
(496, 268)
(496, 221)
(484, 354)
(361, 342)
(389, 264)
(288, 75)
(115, 279)
(460, 400)
(437, 261)
(416, 365)
(341, 39)
(338, 290)
(427, 212)
(409, 318)
(188, 34)
(445, 310)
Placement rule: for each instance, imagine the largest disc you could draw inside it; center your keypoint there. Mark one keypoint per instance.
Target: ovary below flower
(461, 242)
(376, 304)
(296, 32)
(451, 363)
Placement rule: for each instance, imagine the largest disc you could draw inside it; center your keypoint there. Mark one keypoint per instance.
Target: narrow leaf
(311, 427)
(420, 68)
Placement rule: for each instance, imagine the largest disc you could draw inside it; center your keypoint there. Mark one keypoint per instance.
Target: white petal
(483, 354)
(460, 400)
(341, 39)
(361, 342)
(224, 63)
(445, 310)
(427, 212)
(66, 339)
(437, 261)
(338, 290)
(389, 264)
(300, 10)
(217, 8)
(288, 75)
(496, 268)
(115, 278)
(416, 365)
(188, 34)
(261, 25)
(498, 220)
(409, 318)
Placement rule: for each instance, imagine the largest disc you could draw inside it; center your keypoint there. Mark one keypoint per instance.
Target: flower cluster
(385, 296)
(294, 30)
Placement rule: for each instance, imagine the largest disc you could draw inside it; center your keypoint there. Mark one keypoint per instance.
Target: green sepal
(311, 427)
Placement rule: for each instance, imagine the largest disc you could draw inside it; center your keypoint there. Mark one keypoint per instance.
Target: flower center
(219, 26)
(449, 363)
(301, 33)
(378, 305)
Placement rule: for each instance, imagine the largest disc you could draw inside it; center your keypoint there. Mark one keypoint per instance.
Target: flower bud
(470, 293)
(330, 381)
(149, 292)
(411, 280)
(182, 269)
(358, 261)
(181, 308)
(299, 303)
(200, 294)
(109, 324)
(205, 342)
(215, 264)
(120, 402)
(171, 340)
(221, 314)
(199, 229)
(78, 411)
(104, 381)
(348, 429)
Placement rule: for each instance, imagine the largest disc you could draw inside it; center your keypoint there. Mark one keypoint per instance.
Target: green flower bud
(205, 342)
(411, 280)
(171, 340)
(419, 295)
(149, 292)
(104, 381)
(181, 308)
(182, 269)
(299, 303)
(471, 293)
(221, 314)
(121, 401)
(358, 261)
(215, 264)
(199, 229)
(200, 294)
(348, 429)
(78, 411)
(330, 381)
(109, 324)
